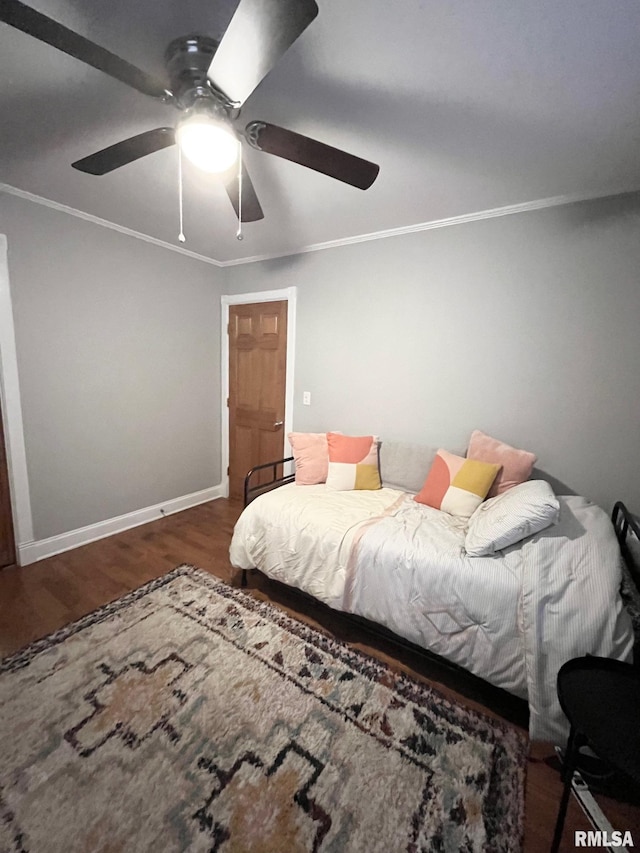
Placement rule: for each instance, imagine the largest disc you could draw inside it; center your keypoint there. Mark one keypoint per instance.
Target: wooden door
(257, 374)
(7, 542)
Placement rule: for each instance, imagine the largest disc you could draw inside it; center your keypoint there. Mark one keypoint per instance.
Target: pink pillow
(311, 455)
(516, 464)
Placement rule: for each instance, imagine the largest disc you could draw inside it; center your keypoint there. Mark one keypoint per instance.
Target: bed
(510, 617)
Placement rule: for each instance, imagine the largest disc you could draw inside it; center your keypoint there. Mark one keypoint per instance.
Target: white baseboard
(29, 552)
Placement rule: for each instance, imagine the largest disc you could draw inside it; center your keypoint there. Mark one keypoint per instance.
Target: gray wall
(525, 326)
(118, 345)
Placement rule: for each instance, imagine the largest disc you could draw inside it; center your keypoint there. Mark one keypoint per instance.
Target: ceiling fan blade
(312, 154)
(126, 151)
(251, 210)
(35, 24)
(259, 34)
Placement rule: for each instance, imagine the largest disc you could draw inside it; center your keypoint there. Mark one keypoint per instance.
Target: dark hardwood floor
(39, 598)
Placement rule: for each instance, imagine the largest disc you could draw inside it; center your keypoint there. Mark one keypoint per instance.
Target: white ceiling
(467, 105)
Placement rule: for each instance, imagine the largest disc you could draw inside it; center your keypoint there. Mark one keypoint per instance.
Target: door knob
(278, 424)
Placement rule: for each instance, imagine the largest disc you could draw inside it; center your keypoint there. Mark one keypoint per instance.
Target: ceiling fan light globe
(207, 144)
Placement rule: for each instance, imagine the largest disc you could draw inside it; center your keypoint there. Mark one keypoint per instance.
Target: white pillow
(521, 511)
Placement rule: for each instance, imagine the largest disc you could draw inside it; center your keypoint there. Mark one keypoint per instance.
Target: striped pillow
(510, 517)
(457, 485)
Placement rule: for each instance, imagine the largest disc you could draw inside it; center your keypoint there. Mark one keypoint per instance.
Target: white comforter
(511, 619)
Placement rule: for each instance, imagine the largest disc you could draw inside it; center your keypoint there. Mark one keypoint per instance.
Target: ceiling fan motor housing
(188, 59)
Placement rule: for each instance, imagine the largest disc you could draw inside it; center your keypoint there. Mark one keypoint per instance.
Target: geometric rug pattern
(187, 716)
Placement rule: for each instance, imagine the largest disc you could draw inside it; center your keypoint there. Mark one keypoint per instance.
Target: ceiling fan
(208, 82)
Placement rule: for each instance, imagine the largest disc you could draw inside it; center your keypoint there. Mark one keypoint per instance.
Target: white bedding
(512, 618)
(303, 535)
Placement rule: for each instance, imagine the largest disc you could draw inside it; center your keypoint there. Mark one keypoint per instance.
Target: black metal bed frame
(624, 522)
(251, 492)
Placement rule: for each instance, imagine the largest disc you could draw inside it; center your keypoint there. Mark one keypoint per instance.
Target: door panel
(257, 376)
(7, 542)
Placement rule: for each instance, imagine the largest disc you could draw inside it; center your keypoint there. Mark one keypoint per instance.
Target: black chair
(601, 699)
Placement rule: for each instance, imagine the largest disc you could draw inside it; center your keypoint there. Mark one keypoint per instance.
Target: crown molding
(105, 223)
(493, 213)
(463, 219)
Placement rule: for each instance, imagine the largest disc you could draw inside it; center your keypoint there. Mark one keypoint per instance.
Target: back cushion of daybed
(404, 465)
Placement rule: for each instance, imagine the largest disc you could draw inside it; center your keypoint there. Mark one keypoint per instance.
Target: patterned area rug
(188, 716)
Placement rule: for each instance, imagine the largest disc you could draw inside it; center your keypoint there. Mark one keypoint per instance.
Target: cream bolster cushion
(511, 517)
(404, 465)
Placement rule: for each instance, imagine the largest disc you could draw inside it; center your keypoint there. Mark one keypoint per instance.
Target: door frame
(12, 414)
(288, 295)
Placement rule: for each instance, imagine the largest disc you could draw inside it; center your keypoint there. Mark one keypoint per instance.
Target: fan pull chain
(239, 235)
(181, 236)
